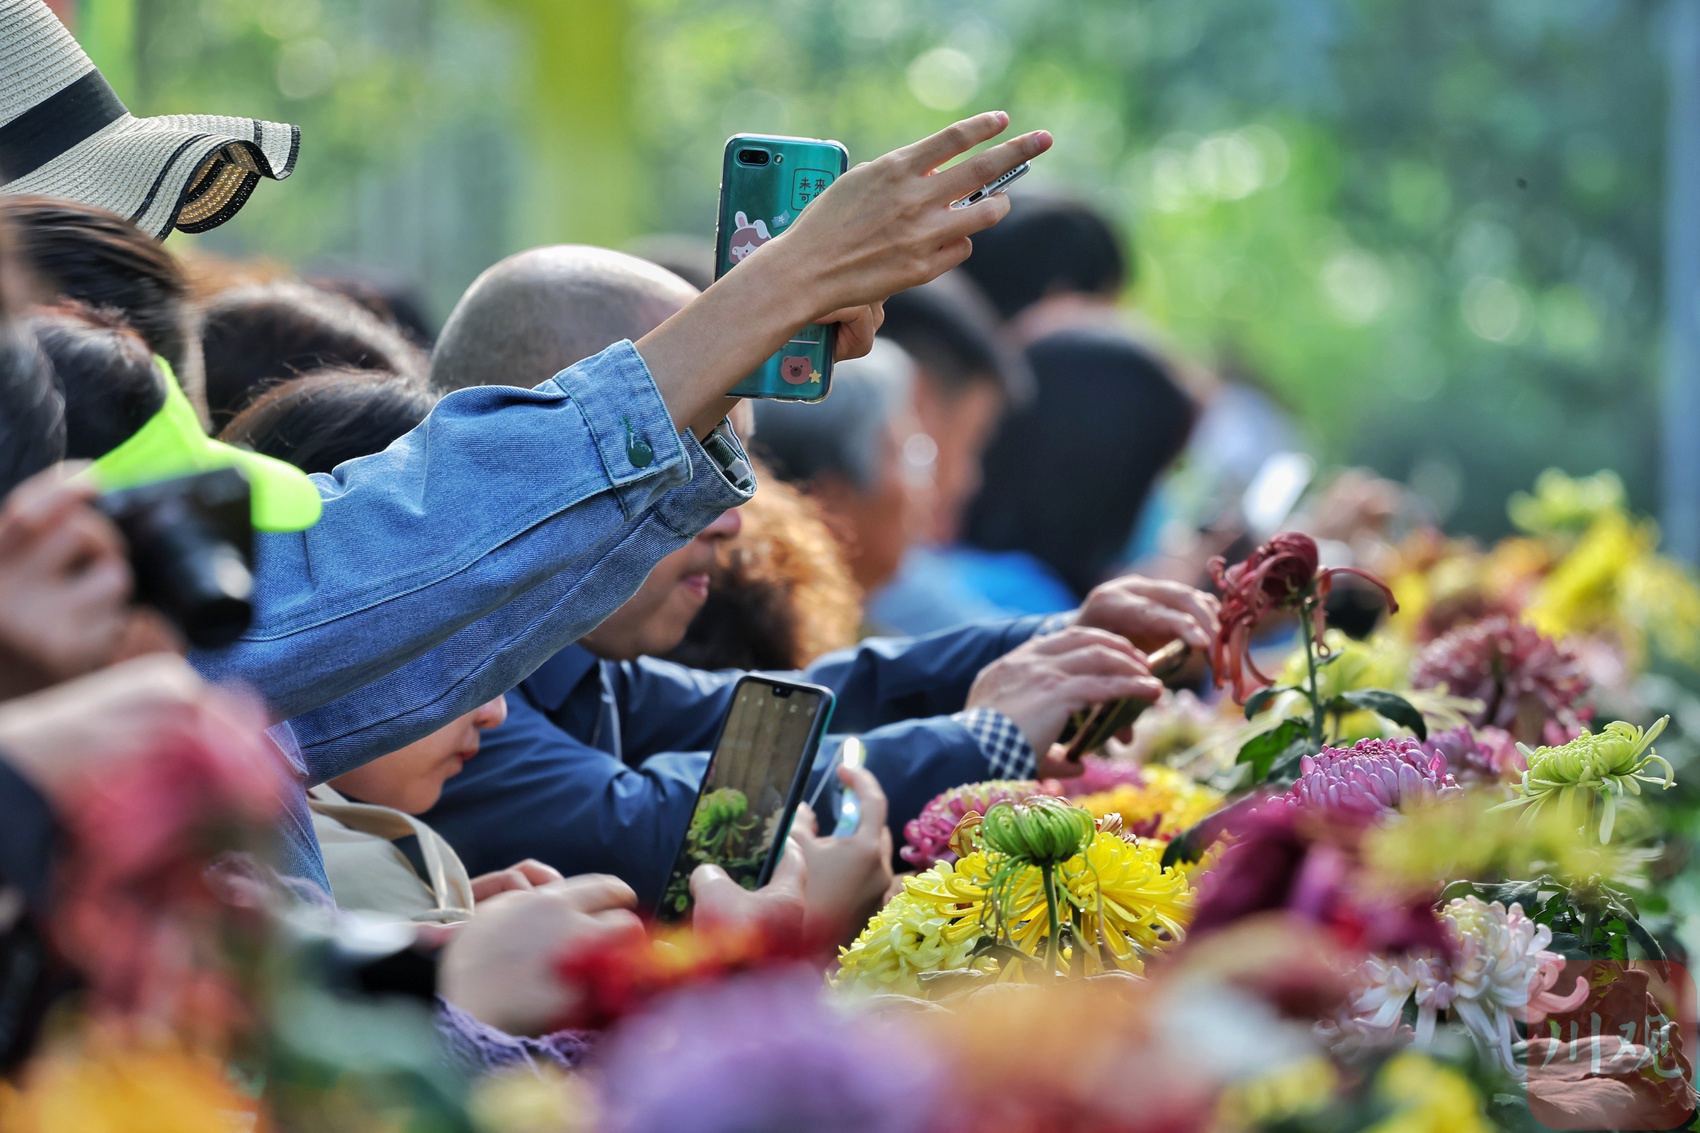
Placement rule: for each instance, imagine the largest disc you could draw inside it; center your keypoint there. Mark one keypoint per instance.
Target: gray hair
(845, 434)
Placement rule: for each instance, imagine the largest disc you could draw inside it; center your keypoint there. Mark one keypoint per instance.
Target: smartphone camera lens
(753, 157)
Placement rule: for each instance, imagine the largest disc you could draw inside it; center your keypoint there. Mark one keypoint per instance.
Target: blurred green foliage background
(1432, 226)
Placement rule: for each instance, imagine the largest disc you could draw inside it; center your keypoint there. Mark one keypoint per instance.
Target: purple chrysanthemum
(1527, 683)
(764, 1055)
(1100, 773)
(928, 834)
(1487, 756)
(1370, 778)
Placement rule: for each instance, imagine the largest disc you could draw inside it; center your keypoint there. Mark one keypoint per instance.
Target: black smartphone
(751, 787)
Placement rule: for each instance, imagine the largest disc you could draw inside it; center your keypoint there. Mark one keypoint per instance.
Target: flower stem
(1317, 730)
(1048, 874)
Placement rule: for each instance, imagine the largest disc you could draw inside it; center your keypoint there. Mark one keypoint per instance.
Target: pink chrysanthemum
(1488, 756)
(1528, 684)
(928, 834)
(1501, 972)
(1370, 778)
(1098, 773)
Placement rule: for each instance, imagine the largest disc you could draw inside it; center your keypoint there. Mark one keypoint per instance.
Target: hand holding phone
(765, 183)
(751, 787)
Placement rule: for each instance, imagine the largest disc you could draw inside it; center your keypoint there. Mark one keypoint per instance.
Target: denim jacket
(449, 566)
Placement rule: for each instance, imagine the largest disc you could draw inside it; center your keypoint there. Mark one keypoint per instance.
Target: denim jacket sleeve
(510, 520)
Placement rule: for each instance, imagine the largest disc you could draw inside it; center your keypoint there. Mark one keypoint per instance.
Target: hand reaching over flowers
(1043, 682)
(1151, 613)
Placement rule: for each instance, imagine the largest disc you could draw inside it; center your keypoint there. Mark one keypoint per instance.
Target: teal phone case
(757, 203)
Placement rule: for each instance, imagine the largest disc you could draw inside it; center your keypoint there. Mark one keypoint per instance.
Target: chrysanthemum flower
(1527, 684)
(1121, 898)
(1162, 803)
(1368, 779)
(1502, 972)
(1487, 756)
(932, 926)
(928, 834)
(1604, 767)
(1283, 574)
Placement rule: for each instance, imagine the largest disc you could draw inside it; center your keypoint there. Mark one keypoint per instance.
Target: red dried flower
(1283, 574)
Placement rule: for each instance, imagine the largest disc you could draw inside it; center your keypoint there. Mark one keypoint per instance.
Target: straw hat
(64, 133)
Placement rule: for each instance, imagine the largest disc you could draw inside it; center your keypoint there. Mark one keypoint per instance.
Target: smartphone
(752, 786)
(1092, 728)
(995, 186)
(765, 182)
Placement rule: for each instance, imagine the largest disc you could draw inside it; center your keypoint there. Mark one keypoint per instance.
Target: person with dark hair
(79, 252)
(390, 301)
(321, 419)
(1048, 246)
(1066, 477)
(862, 457)
(32, 407)
(966, 379)
(599, 762)
(112, 387)
(255, 337)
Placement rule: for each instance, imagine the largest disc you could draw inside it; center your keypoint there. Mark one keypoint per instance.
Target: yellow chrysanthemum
(931, 926)
(1128, 901)
(1430, 1098)
(1305, 1086)
(1581, 593)
(1117, 892)
(116, 1087)
(1173, 799)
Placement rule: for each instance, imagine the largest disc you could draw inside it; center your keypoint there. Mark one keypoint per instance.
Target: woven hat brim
(187, 171)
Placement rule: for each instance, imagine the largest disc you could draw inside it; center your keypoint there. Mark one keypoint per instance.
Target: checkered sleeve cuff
(1055, 622)
(1007, 751)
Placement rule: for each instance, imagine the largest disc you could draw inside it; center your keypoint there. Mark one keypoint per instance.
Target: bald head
(534, 314)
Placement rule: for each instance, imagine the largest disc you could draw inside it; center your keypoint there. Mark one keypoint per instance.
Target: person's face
(411, 779)
(961, 424)
(877, 527)
(654, 620)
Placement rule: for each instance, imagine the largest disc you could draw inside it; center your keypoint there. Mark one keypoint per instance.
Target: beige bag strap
(448, 881)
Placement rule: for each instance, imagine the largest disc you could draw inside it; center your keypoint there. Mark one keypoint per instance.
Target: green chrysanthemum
(1606, 766)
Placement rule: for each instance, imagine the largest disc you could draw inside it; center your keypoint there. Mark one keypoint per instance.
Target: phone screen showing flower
(751, 787)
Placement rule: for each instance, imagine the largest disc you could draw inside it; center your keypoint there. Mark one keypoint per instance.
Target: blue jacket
(597, 768)
(449, 566)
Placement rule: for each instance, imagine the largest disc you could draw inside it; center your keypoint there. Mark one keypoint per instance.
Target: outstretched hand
(849, 875)
(1043, 682)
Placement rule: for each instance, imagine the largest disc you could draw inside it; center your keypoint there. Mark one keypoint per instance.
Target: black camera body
(191, 545)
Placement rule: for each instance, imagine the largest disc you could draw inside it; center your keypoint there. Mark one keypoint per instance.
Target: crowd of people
(361, 675)
(503, 576)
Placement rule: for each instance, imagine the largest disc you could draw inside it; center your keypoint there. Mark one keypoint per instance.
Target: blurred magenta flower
(1485, 756)
(766, 1055)
(1288, 859)
(1529, 685)
(928, 833)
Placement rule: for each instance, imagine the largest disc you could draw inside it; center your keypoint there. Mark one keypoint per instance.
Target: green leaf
(1262, 751)
(1391, 705)
(1260, 699)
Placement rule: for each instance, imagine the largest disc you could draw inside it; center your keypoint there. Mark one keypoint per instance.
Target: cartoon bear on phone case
(799, 371)
(747, 237)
